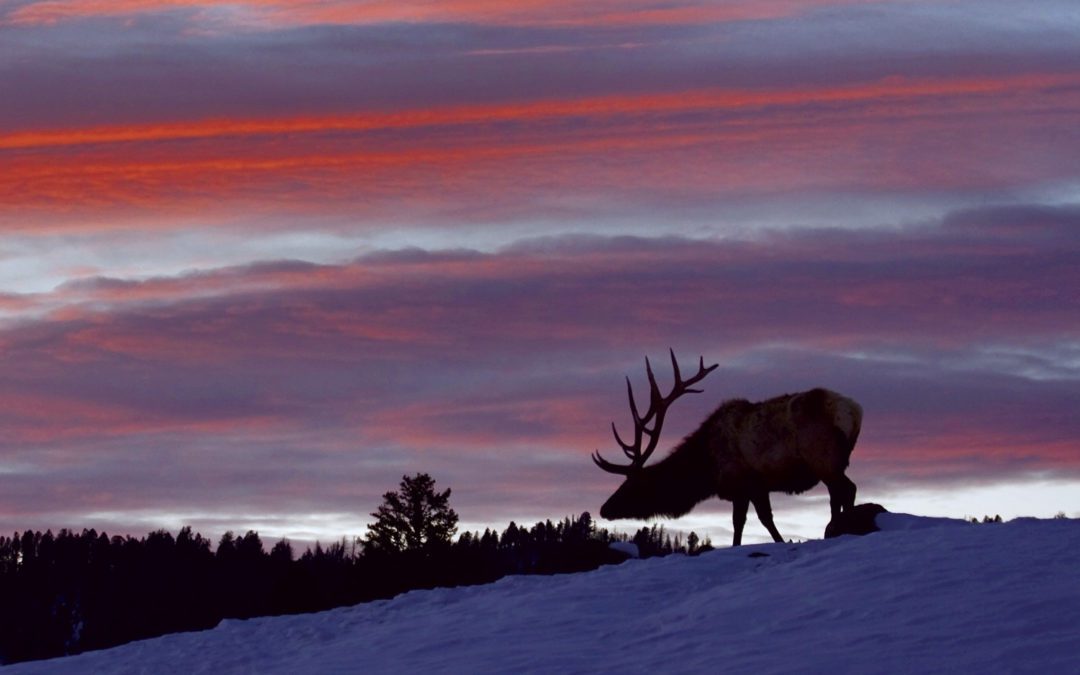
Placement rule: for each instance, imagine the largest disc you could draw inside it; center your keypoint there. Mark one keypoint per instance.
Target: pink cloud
(496, 358)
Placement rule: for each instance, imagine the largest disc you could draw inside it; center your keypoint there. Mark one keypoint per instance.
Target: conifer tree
(415, 518)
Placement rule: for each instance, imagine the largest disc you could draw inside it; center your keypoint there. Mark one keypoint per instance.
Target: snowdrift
(923, 595)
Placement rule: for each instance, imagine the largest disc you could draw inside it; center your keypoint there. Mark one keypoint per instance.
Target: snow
(923, 595)
(627, 548)
(902, 521)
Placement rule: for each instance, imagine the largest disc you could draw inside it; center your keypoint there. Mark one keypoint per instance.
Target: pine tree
(692, 543)
(282, 552)
(415, 518)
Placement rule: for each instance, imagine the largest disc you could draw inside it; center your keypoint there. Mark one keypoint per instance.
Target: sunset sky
(259, 259)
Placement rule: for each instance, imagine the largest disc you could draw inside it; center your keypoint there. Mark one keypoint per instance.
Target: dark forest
(71, 592)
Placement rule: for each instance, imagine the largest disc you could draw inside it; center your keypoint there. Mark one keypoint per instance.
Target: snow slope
(925, 595)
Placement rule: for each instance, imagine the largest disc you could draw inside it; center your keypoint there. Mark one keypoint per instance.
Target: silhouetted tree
(415, 518)
(282, 553)
(226, 548)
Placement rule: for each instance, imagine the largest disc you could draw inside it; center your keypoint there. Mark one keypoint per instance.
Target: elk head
(638, 497)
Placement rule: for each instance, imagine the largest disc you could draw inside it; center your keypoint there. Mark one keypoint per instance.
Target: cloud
(513, 161)
(140, 123)
(276, 13)
(292, 386)
(153, 70)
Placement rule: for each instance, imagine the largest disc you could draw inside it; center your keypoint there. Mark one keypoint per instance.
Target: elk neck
(682, 480)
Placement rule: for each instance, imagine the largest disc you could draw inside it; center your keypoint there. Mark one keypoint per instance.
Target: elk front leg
(739, 507)
(841, 494)
(764, 513)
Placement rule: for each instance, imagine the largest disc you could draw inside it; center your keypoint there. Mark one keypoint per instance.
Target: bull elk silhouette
(741, 453)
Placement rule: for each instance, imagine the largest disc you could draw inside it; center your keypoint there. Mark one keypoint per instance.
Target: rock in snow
(919, 596)
(861, 519)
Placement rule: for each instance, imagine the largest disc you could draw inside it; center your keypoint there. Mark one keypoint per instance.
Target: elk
(740, 453)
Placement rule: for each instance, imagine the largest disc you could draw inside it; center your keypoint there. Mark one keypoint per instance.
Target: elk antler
(658, 406)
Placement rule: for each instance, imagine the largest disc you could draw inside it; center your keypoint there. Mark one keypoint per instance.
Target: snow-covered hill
(925, 595)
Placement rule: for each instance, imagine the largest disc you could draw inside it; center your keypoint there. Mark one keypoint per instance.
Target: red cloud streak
(929, 132)
(276, 13)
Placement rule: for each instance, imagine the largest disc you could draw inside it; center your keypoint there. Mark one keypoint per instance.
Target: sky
(260, 259)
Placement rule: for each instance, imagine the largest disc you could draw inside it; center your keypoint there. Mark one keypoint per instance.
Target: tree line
(70, 592)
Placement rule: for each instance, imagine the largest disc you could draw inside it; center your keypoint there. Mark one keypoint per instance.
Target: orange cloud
(892, 89)
(687, 141)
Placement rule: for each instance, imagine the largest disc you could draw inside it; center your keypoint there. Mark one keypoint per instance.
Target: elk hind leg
(763, 507)
(739, 507)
